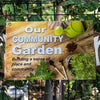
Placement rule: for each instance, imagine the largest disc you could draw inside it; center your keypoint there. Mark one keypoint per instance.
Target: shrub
(83, 65)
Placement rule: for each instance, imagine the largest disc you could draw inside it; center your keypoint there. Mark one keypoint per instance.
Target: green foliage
(34, 18)
(72, 2)
(4, 95)
(18, 83)
(77, 87)
(9, 8)
(91, 5)
(32, 13)
(21, 12)
(83, 65)
(20, 18)
(70, 88)
(2, 21)
(87, 90)
(80, 5)
(78, 10)
(41, 73)
(48, 9)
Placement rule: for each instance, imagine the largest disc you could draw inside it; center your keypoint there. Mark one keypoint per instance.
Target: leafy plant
(18, 83)
(32, 14)
(80, 90)
(80, 6)
(35, 18)
(9, 8)
(83, 10)
(68, 88)
(4, 96)
(2, 21)
(83, 65)
(41, 73)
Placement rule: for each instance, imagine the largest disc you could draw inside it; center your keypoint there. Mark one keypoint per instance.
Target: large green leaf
(2, 21)
(9, 8)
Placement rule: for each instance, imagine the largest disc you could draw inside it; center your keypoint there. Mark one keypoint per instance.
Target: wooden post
(48, 91)
(59, 13)
(61, 90)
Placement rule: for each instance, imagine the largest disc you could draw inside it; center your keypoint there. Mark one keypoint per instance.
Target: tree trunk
(48, 87)
(59, 13)
(61, 90)
(48, 91)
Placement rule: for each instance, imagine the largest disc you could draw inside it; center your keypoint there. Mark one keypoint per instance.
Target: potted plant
(82, 66)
